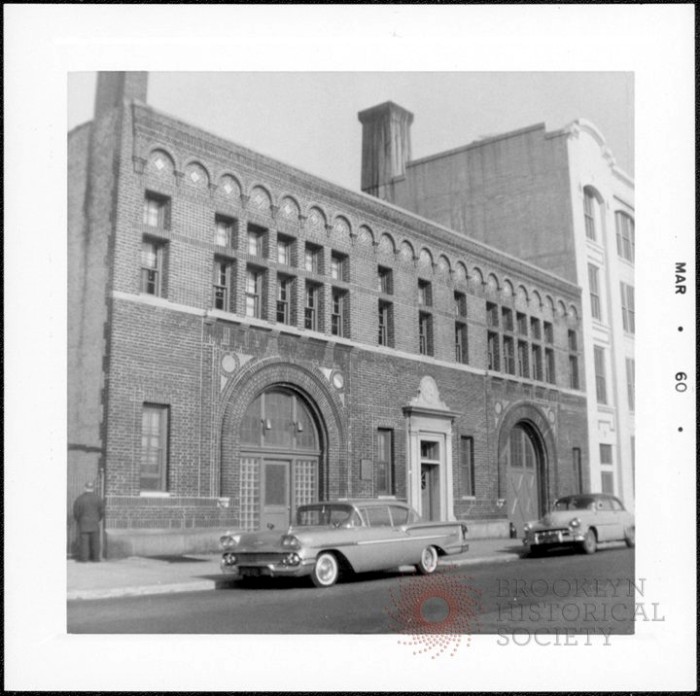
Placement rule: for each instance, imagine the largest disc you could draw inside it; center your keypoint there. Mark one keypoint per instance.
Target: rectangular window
(153, 475)
(507, 319)
(425, 334)
(156, 211)
(254, 292)
(577, 470)
(461, 352)
(625, 236)
(152, 264)
(256, 240)
(385, 280)
(494, 361)
(285, 300)
(312, 258)
(339, 313)
(607, 482)
(537, 363)
(522, 324)
(535, 329)
(573, 372)
(385, 462)
(425, 293)
(460, 304)
(573, 342)
(589, 208)
(549, 373)
(339, 266)
(284, 250)
(224, 231)
(629, 365)
(523, 370)
(385, 324)
(633, 465)
(312, 307)
(492, 315)
(223, 284)
(508, 355)
(548, 332)
(627, 294)
(466, 465)
(599, 363)
(606, 456)
(594, 290)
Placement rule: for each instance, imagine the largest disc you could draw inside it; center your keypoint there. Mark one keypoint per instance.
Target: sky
(309, 119)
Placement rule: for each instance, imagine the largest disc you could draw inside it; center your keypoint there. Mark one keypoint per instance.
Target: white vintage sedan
(583, 521)
(344, 536)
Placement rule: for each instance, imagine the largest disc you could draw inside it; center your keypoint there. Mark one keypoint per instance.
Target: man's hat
(89, 486)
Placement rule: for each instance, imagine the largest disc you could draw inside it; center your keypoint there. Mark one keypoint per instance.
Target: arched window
(624, 228)
(522, 450)
(591, 212)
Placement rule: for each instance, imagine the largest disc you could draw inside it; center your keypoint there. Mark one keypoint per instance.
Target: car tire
(326, 570)
(590, 542)
(536, 552)
(428, 561)
(629, 538)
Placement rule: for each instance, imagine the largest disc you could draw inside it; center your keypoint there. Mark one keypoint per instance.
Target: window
(339, 266)
(491, 315)
(508, 355)
(633, 469)
(573, 372)
(312, 307)
(339, 313)
(535, 329)
(461, 353)
(224, 231)
(548, 332)
(573, 343)
(507, 319)
(154, 448)
(254, 292)
(223, 283)
(312, 258)
(549, 372)
(425, 334)
(594, 290)
(284, 250)
(577, 470)
(156, 211)
(590, 206)
(627, 294)
(600, 387)
(460, 304)
(384, 474)
(537, 362)
(494, 362)
(385, 324)
(522, 359)
(607, 482)
(385, 280)
(425, 293)
(285, 304)
(466, 465)
(256, 240)
(624, 225)
(152, 264)
(521, 320)
(629, 365)
(606, 454)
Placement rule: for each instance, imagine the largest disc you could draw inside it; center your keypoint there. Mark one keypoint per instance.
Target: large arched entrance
(281, 451)
(524, 469)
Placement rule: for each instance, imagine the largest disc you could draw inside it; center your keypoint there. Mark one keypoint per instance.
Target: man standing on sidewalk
(88, 510)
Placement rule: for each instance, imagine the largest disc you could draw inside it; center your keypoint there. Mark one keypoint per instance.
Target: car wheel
(590, 542)
(536, 551)
(326, 570)
(428, 561)
(629, 537)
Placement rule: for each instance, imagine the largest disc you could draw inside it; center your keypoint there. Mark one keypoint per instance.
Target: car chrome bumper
(552, 537)
(244, 568)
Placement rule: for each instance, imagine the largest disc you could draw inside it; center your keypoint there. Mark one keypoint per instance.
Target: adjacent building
(245, 337)
(558, 200)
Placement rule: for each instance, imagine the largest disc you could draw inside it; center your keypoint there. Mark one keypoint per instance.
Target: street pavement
(192, 573)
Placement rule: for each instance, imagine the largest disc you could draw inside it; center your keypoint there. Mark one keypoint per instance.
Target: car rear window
(378, 516)
(399, 515)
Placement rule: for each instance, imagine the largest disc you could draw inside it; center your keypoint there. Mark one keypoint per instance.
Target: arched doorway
(524, 456)
(280, 458)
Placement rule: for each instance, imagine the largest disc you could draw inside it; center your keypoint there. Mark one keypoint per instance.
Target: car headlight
(289, 541)
(228, 541)
(527, 527)
(576, 522)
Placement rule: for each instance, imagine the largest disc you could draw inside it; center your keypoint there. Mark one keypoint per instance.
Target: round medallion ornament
(498, 407)
(229, 363)
(550, 416)
(338, 380)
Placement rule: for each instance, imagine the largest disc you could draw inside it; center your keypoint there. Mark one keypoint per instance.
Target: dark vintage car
(581, 520)
(330, 537)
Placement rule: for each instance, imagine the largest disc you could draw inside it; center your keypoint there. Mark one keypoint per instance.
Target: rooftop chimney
(386, 147)
(114, 88)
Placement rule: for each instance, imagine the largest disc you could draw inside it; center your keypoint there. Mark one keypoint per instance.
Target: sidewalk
(142, 576)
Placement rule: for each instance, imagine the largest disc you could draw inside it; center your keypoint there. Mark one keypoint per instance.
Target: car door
(606, 520)
(621, 520)
(378, 544)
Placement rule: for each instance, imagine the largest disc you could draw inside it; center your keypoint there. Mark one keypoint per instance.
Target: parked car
(583, 521)
(328, 538)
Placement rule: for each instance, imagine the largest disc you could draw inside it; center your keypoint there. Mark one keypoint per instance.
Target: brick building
(245, 337)
(558, 200)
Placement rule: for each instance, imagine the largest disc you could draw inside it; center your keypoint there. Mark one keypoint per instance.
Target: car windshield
(324, 515)
(577, 502)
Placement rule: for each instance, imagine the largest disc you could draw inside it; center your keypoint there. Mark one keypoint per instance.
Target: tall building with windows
(245, 337)
(555, 199)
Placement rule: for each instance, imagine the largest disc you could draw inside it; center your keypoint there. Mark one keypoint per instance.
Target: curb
(202, 585)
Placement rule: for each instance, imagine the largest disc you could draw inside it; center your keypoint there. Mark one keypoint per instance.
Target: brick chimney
(114, 88)
(386, 147)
